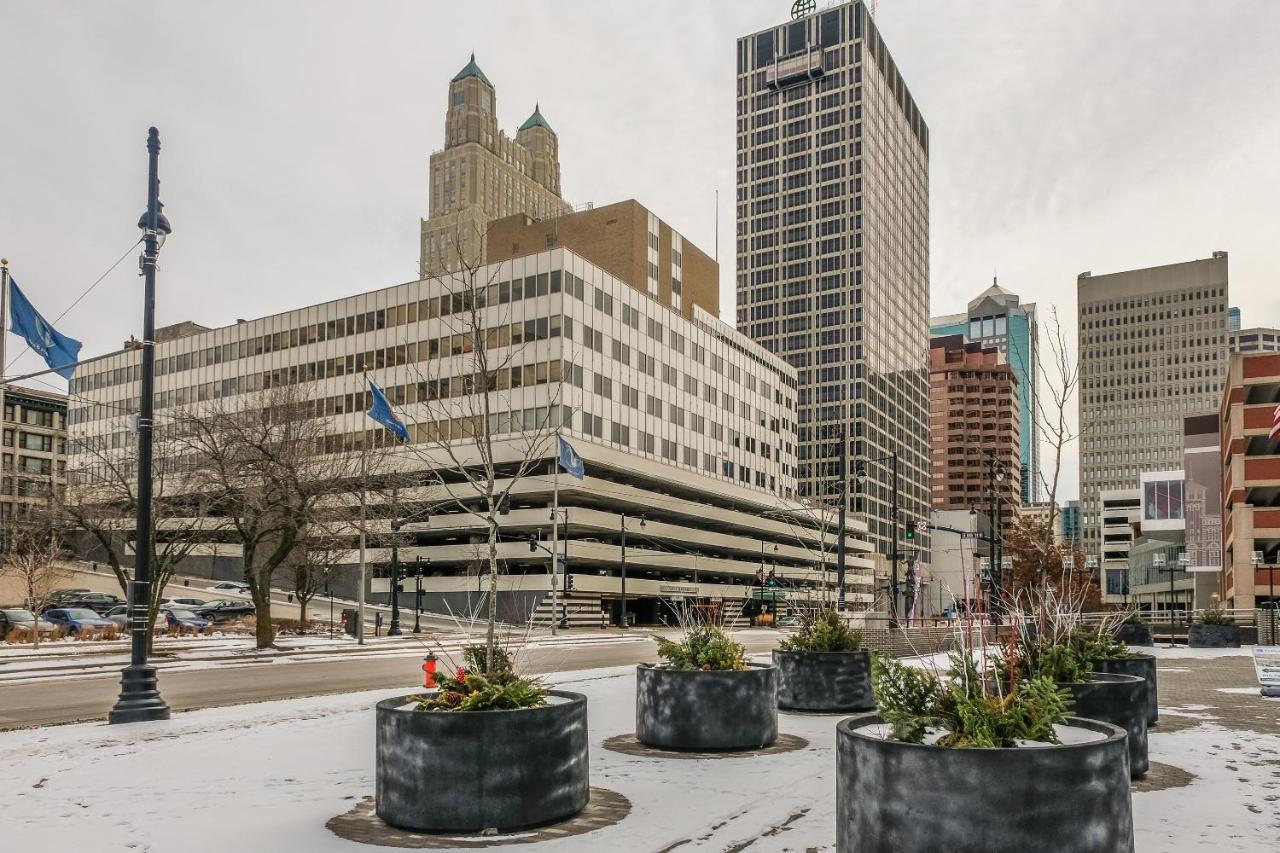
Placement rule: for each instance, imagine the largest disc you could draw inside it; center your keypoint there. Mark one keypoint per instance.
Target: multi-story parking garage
(685, 426)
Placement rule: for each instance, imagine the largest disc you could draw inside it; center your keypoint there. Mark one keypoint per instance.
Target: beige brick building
(482, 174)
(626, 240)
(1153, 350)
(35, 450)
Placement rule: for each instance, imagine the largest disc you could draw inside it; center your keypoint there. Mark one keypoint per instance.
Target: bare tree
(263, 465)
(1062, 380)
(33, 556)
(492, 410)
(312, 562)
(101, 500)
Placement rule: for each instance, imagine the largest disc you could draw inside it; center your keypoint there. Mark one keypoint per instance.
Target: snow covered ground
(268, 776)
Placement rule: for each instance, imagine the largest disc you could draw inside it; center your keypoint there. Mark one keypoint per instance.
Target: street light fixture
(139, 689)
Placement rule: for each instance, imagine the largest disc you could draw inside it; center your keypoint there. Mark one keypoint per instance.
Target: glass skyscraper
(833, 254)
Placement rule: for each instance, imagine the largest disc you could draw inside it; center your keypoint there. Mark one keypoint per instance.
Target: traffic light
(568, 582)
(911, 533)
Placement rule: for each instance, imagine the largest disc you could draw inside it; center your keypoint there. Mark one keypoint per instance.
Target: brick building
(35, 450)
(1250, 480)
(973, 419)
(626, 240)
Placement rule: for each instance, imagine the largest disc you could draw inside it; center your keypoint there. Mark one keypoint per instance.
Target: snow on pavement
(268, 776)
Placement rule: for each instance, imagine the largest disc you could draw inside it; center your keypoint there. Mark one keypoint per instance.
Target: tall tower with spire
(482, 175)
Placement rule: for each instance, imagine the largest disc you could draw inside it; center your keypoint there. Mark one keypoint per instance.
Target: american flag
(1275, 422)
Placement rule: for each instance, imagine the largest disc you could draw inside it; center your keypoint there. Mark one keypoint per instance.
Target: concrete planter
(824, 681)
(893, 796)
(1134, 634)
(468, 771)
(1213, 636)
(1120, 700)
(702, 711)
(1143, 666)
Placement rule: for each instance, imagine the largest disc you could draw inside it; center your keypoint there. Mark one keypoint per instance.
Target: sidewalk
(71, 660)
(281, 770)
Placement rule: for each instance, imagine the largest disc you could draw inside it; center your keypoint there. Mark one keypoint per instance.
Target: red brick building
(1250, 480)
(973, 416)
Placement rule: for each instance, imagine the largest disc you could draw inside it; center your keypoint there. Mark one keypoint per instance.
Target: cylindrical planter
(467, 771)
(703, 711)
(1143, 666)
(1213, 636)
(1122, 701)
(824, 681)
(1134, 634)
(1070, 798)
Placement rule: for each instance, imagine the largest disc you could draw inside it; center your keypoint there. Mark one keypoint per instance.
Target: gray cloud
(1065, 136)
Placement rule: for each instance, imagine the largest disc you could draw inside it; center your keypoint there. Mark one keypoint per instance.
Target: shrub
(962, 709)
(467, 689)
(1059, 660)
(1134, 618)
(826, 632)
(1214, 616)
(1102, 645)
(703, 647)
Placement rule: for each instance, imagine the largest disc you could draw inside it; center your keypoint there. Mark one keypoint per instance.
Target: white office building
(685, 426)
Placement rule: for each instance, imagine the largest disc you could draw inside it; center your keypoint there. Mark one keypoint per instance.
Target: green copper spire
(536, 120)
(471, 70)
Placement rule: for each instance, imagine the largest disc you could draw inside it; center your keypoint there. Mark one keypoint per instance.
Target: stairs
(582, 608)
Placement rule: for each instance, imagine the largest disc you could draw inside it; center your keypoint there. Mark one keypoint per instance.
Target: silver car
(120, 616)
(18, 621)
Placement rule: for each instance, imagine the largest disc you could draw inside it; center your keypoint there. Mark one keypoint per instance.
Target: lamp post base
(139, 700)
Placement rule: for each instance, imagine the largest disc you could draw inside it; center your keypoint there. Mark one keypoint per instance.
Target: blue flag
(57, 350)
(570, 461)
(382, 413)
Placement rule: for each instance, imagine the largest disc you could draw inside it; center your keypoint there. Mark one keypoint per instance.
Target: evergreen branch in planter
(703, 647)
(826, 632)
(964, 710)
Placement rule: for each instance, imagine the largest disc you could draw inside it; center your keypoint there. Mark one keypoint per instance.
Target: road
(55, 702)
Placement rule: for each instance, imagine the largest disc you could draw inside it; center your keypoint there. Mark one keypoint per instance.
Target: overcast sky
(1066, 136)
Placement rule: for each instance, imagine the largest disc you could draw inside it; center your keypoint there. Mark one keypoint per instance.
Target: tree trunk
(491, 641)
(260, 591)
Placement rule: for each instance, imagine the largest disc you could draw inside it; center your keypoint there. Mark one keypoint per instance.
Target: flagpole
(364, 518)
(4, 333)
(555, 532)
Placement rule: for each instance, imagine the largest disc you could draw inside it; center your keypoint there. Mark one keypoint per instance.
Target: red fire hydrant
(429, 669)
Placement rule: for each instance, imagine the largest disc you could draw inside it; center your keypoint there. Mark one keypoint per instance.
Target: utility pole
(394, 629)
(840, 524)
(139, 689)
(624, 570)
(894, 555)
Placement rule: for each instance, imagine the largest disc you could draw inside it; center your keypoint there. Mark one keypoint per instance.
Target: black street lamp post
(394, 629)
(417, 596)
(894, 556)
(140, 698)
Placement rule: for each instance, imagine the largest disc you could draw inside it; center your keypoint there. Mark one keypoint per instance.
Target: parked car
(98, 602)
(184, 620)
(224, 610)
(59, 596)
(22, 622)
(229, 586)
(77, 619)
(119, 616)
(185, 603)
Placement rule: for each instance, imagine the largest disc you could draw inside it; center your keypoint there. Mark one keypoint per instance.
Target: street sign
(1266, 663)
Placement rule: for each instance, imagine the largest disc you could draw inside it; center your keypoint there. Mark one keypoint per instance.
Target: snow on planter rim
(1069, 735)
